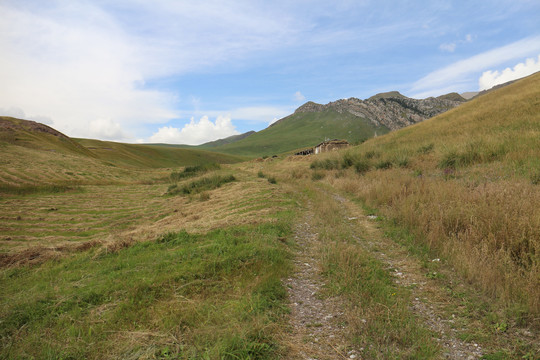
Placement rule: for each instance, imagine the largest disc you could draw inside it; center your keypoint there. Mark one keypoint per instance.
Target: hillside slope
(35, 156)
(37, 136)
(303, 129)
(352, 119)
(227, 140)
(466, 184)
(153, 156)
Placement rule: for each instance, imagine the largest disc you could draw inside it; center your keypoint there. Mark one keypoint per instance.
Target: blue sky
(194, 71)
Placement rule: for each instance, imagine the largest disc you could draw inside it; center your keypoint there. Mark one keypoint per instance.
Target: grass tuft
(316, 175)
(192, 171)
(325, 164)
(197, 186)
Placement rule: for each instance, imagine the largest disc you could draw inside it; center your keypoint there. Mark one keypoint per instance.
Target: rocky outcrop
(13, 124)
(392, 109)
(310, 106)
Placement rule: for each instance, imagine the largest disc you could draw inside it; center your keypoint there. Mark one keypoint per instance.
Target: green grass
(38, 189)
(203, 184)
(153, 156)
(213, 295)
(35, 157)
(190, 171)
(39, 137)
(325, 164)
(301, 130)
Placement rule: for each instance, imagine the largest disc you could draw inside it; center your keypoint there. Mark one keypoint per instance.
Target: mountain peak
(389, 94)
(310, 106)
(453, 96)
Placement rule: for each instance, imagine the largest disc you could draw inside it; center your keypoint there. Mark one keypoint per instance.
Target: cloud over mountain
(196, 132)
(491, 78)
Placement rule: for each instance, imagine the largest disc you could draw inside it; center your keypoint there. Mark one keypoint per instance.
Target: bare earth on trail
(317, 321)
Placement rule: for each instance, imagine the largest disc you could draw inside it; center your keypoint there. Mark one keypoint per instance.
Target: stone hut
(331, 145)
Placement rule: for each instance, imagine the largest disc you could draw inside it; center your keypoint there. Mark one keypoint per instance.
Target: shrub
(403, 162)
(348, 160)
(372, 154)
(426, 148)
(272, 180)
(317, 176)
(361, 166)
(384, 165)
(474, 153)
(195, 187)
(449, 160)
(326, 164)
(191, 171)
(260, 174)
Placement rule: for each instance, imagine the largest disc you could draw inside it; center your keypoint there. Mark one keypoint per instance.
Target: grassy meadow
(114, 251)
(129, 271)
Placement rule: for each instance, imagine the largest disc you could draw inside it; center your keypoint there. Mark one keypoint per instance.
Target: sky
(188, 72)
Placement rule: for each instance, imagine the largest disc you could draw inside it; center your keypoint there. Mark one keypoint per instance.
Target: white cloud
(298, 96)
(74, 65)
(464, 71)
(491, 78)
(77, 62)
(196, 132)
(450, 47)
(249, 114)
(108, 130)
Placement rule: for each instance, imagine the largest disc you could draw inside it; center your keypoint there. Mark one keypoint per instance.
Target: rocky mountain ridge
(392, 109)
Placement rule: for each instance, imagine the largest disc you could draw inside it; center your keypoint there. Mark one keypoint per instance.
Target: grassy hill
(227, 140)
(34, 135)
(303, 129)
(36, 157)
(352, 119)
(153, 156)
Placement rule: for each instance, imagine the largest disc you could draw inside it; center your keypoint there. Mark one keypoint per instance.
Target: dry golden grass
(37, 227)
(140, 274)
(467, 184)
(21, 166)
(489, 231)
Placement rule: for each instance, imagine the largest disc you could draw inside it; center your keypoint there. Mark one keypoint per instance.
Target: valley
(420, 243)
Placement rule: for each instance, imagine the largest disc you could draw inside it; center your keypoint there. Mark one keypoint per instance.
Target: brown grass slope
(467, 184)
(37, 136)
(153, 156)
(37, 158)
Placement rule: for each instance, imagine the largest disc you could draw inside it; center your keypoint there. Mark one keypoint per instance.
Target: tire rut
(407, 272)
(317, 321)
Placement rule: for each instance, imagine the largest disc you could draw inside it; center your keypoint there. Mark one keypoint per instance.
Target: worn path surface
(317, 321)
(427, 299)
